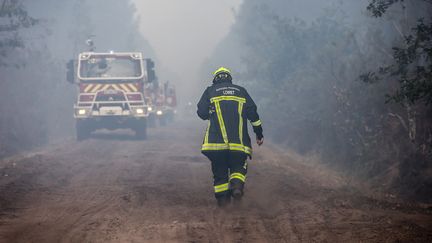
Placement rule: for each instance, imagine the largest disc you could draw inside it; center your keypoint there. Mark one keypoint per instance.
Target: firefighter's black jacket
(228, 107)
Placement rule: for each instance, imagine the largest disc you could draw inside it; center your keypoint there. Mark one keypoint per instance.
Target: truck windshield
(110, 67)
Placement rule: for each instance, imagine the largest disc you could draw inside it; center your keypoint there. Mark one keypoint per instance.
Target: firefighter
(226, 142)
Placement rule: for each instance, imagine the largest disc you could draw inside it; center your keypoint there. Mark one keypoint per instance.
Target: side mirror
(70, 73)
(151, 75)
(150, 63)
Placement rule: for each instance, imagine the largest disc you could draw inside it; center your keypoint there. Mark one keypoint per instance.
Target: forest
(343, 90)
(351, 85)
(37, 38)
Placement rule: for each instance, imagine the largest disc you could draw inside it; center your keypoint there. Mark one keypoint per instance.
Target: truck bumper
(88, 113)
(112, 122)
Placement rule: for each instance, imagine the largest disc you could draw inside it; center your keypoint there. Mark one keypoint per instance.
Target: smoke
(34, 93)
(184, 34)
(301, 62)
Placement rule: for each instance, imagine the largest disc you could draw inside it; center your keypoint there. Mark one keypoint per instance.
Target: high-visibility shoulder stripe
(256, 123)
(232, 98)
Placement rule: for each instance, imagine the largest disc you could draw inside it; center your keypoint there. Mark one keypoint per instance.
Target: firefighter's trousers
(229, 172)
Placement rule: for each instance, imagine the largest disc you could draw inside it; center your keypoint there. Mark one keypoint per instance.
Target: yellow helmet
(222, 70)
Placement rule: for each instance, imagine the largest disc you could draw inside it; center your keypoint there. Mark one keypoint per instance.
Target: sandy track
(114, 189)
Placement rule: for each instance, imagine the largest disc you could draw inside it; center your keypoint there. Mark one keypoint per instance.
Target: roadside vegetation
(37, 38)
(353, 85)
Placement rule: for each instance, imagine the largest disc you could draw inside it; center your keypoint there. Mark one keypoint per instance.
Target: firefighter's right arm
(203, 106)
(253, 117)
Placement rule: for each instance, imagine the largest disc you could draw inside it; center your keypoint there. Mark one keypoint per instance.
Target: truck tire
(151, 120)
(162, 120)
(170, 116)
(82, 130)
(141, 129)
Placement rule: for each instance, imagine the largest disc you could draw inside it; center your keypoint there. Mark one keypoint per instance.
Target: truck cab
(110, 92)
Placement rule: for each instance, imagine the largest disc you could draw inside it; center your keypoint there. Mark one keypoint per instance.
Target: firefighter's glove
(259, 140)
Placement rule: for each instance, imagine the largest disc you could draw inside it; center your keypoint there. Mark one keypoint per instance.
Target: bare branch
(401, 120)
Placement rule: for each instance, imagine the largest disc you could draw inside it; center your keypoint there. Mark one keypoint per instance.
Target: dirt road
(114, 189)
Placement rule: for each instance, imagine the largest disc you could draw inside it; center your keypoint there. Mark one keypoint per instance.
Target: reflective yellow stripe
(116, 87)
(226, 145)
(240, 111)
(88, 88)
(241, 148)
(105, 87)
(207, 133)
(223, 146)
(256, 123)
(221, 188)
(238, 176)
(232, 98)
(125, 88)
(221, 122)
(132, 87)
(96, 88)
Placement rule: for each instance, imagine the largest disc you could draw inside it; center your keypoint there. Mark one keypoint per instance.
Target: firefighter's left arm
(253, 117)
(203, 106)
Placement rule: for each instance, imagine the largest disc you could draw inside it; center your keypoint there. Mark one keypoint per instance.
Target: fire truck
(167, 102)
(111, 92)
(162, 102)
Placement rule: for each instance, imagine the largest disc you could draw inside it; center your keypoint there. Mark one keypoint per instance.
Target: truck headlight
(81, 112)
(139, 111)
(159, 113)
(149, 108)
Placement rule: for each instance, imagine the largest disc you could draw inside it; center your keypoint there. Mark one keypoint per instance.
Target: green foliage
(379, 7)
(306, 74)
(414, 66)
(304, 77)
(412, 61)
(13, 17)
(18, 17)
(35, 101)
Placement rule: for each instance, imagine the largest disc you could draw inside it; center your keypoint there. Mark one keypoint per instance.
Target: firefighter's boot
(237, 191)
(224, 201)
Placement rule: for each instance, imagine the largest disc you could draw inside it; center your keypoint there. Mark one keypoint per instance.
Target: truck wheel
(141, 130)
(82, 130)
(151, 120)
(162, 120)
(170, 117)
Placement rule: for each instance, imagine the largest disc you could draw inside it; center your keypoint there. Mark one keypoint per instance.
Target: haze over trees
(351, 84)
(37, 38)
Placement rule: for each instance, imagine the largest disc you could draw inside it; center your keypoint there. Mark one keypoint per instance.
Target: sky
(184, 33)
